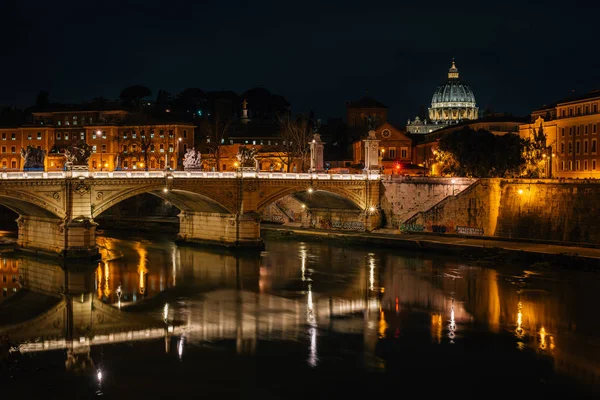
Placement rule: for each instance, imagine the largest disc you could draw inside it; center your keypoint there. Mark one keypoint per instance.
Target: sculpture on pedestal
(246, 157)
(33, 158)
(192, 160)
(78, 154)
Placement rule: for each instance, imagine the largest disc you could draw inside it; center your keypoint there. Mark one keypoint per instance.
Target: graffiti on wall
(411, 228)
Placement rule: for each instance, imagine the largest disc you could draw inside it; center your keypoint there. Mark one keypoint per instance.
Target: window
(577, 147)
(93, 148)
(222, 141)
(185, 148)
(39, 136)
(93, 135)
(585, 130)
(404, 152)
(586, 110)
(562, 165)
(594, 128)
(570, 165)
(578, 132)
(4, 164)
(593, 165)
(13, 149)
(162, 148)
(585, 147)
(3, 149)
(152, 133)
(392, 153)
(570, 148)
(207, 140)
(562, 112)
(224, 167)
(578, 110)
(58, 123)
(577, 165)
(585, 165)
(562, 148)
(57, 135)
(125, 149)
(104, 148)
(94, 163)
(185, 133)
(13, 164)
(3, 136)
(152, 148)
(170, 133)
(103, 134)
(162, 133)
(562, 132)
(570, 131)
(82, 136)
(125, 164)
(170, 149)
(66, 136)
(595, 108)
(570, 112)
(593, 146)
(29, 136)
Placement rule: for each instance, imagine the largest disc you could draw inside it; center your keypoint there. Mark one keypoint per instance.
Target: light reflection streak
(371, 272)
(303, 258)
(142, 269)
(312, 330)
(180, 347)
(107, 290)
(452, 325)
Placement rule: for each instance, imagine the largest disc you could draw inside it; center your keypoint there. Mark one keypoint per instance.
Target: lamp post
(177, 154)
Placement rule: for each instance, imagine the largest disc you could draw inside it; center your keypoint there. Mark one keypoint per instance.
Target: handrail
(137, 174)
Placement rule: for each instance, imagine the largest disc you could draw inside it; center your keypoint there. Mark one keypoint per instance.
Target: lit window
(39, 136)
(94, 148)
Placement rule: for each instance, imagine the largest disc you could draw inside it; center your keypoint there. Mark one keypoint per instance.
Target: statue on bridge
(78, 153)
(246, 157)
(33, 158)
(192, 160)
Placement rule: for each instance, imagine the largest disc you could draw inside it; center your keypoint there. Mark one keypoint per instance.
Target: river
(299, 320)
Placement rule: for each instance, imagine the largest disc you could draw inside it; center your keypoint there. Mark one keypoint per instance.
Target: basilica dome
(453, 101)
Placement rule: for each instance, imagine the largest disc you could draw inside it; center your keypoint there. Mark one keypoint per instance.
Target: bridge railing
(185, 174)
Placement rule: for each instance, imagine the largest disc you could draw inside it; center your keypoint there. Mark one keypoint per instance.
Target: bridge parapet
(187, 174)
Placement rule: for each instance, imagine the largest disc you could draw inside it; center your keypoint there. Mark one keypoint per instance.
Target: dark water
(299, 320)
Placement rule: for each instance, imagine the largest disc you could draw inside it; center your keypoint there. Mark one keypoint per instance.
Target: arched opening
(155, 210)
(8, 221)
(310, 208)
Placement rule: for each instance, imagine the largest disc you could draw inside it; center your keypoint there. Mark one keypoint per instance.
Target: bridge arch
(313, 197)
(185, 200)
(29, 205)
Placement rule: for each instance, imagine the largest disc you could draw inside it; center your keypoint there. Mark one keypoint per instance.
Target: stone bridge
(57, 209)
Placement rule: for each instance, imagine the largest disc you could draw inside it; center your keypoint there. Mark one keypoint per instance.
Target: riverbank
(484, 250)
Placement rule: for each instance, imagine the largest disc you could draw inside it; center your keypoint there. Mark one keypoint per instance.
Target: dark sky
(516, 56)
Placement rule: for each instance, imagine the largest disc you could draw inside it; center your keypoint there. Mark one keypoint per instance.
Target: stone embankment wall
(547, 209)
(403, 197)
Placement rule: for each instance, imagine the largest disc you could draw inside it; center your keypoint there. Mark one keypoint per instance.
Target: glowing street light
(310, 190)
(520, 191)
(165, 190)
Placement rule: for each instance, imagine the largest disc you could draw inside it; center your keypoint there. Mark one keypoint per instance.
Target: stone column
(371, 152)
(316, 154)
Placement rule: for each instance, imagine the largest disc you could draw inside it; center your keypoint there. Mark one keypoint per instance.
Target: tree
(479, 154)
(132, 95)
(215, 133)
(534, 152)
(296, 135)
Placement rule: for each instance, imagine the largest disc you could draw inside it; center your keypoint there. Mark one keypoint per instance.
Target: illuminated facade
(451, 103)
(117, 143)
(572, 130)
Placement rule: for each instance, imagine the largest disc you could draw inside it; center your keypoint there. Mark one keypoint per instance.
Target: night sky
(515, 56)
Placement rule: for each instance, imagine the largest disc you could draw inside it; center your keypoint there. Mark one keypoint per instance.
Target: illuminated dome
(453, 101)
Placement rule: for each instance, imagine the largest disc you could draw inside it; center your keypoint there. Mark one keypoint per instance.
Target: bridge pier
(53, 236)
(229, 230)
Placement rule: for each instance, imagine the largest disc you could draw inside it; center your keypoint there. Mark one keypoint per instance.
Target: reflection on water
(9, 276)
(410, 311)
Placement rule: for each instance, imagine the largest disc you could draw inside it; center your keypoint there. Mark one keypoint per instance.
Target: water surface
(299, 320)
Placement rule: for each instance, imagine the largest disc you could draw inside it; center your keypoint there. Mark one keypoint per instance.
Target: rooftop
(365, 102)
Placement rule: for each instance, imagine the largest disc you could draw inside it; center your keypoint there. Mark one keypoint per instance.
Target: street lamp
(453, 181)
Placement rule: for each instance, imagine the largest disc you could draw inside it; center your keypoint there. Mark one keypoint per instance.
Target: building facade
(395, 149)
(452, 102)
(572, 131)
(118, 141)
